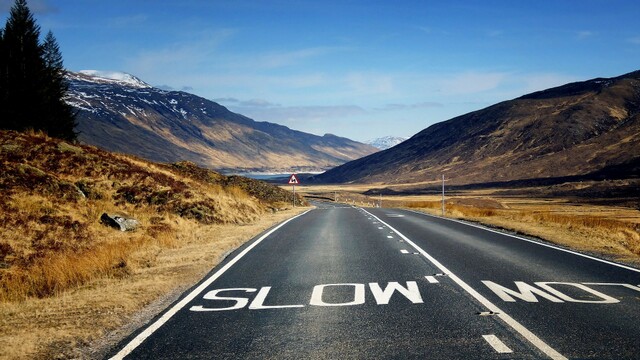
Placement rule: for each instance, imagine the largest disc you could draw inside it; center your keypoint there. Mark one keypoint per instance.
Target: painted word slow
(356, 296)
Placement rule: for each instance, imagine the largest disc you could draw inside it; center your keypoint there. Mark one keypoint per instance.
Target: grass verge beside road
(85, 321)
(605, 231)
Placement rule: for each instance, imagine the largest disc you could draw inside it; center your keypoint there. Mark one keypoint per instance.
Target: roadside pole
(293, 180)
(442, 194)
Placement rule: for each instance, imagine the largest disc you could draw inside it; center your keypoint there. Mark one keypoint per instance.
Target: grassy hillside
(587, 130)
(54, 193)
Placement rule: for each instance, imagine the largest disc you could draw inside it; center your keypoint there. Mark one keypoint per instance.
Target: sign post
(293, 180)
(443, 195)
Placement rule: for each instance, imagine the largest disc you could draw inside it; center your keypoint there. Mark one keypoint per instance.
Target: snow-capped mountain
(386, 142)
(119, 112)
(110, 77)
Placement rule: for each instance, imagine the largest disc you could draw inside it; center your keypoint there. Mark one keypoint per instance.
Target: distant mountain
(583, 128)
(383, 143)
(119, 112)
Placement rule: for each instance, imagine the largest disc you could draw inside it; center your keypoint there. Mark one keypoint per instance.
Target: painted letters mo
(556, 292)
(241, 297)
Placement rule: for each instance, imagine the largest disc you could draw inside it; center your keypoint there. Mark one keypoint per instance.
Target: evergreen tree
(33, 84)
(24, 68)
(3, 83)
(61, 117)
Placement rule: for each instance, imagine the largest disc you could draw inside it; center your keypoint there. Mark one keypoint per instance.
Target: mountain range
(589, 129)
(121, 113)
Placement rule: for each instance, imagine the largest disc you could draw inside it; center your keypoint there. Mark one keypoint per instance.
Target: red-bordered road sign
(293, 180)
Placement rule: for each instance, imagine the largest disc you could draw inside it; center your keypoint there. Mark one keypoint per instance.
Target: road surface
(347, 282)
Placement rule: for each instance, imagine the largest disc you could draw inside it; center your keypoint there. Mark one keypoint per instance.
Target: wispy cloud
(36, 6)
(420, 105)
(585, 34)
(298, 117)
(127, 21)
(179, 55)
(472, 82)
(276, 59)
(635, 40)
(252, 103)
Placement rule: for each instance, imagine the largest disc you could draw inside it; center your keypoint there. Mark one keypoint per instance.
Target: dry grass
(66, 278)
(607, 231)
(72, 323)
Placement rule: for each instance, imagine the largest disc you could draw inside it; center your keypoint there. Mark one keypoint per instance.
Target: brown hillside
(53, 194)
(170, 126)
(589, 129)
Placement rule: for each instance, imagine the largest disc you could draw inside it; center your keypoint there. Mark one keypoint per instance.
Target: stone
(119, 222)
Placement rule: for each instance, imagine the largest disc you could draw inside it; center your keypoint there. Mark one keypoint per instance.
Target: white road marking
(192, 295)
(404, 251)
(431, 279)
(380, 228)
(389, 237)
(531, 241)
(628, 286)
(531, 337)
(497, 344)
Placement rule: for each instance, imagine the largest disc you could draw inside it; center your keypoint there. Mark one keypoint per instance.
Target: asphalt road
(341, 282)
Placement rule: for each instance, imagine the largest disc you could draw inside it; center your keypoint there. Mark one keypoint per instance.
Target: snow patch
(118, 77)
(386, 142)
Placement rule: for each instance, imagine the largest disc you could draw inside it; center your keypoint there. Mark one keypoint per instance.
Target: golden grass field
(72, 323)
(66, 279)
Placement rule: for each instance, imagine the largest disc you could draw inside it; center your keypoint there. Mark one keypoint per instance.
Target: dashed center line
(404, 251)
(389, 237)
(497, 344)
(508, 320)
(431, 279)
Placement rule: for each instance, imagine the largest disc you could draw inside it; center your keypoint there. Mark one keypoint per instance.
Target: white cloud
(299, 114)
(36, 6)
(584, 34)
(542, 81)
(472, 82)
(273, 60)
(182, 55)
(420, 105)
(127, 21)
(370, 83)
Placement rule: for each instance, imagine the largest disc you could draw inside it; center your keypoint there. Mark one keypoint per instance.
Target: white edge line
(531, 337)
(529, 240)
(192, 295)
(497, 344)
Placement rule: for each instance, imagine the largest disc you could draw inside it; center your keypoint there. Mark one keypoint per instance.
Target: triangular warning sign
(293, 180)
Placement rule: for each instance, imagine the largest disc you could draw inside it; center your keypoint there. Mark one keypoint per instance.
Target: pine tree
(3, 83)
(60, 117)
(33, 84)
(24, 68)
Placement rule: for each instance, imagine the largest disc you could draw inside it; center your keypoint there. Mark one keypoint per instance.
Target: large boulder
(119, 222)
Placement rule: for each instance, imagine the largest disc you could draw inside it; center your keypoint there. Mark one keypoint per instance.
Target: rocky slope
(121, 113)
(589, 128)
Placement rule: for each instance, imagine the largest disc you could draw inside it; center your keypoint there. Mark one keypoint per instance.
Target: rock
(119, 222)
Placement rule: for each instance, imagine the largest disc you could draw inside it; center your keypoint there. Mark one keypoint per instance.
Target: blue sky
(359, 69)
